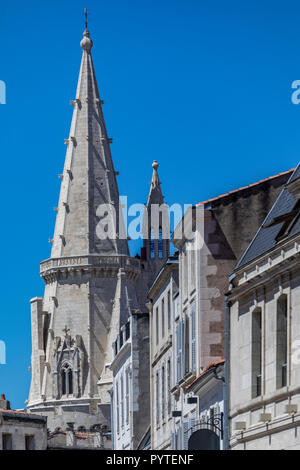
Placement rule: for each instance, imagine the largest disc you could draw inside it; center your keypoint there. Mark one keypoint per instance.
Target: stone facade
(206, 392)
(264, 372)
(130, 365)
(96, 294)
(163, 296)
(224, 228)
(81, 312)
(20, 430)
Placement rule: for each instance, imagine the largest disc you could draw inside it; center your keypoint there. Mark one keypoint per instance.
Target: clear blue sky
(203, 87)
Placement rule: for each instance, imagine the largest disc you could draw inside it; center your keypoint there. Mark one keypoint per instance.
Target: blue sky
(203, 87)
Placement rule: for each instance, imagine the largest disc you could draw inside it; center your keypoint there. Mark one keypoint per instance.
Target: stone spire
(71, 324)
(89, 188)
(155, 194)
(156, 224)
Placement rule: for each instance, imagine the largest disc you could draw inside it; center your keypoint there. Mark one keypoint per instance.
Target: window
(29, 443)
(169, 386)
(127, 395)
(193, 339)
(186, 343)
(256, 353)
(157, 399)
(118, 407)
(66, 379)
(179, 329)
(193, 267)
(176, 307)
(152, 244)
(160, 243)
(157, 325)
(127, 331)
(6, 441)
(162, 318)
(169, 310)
(163, 398)
(211, 417)
(185, 272)
(122, 402)
(281, 342)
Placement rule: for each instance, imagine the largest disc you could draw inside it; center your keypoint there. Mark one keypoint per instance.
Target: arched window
(160, 243)
(66, 379)
(152, 244)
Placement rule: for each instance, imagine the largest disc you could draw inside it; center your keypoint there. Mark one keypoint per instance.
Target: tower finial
(86, 20)
(86, 42)
(155, 181)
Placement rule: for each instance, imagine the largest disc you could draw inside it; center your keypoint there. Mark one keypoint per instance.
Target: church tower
(156, 225)
(71, 324)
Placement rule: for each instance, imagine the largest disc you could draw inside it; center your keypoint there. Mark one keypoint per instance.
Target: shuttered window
(157, 399)
(179, 351)
(163, 388)
(193, 338)
(127, 395)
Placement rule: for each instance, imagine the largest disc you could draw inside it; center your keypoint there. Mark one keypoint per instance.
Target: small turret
(156, 224)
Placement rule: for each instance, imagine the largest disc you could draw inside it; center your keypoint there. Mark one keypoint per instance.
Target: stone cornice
(266, 267)
(124, 351)
(107, 266)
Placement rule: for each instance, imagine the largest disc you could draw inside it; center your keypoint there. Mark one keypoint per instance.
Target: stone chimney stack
(4, 404)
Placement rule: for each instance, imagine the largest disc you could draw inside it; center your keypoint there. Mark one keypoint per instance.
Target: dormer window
(287, 220)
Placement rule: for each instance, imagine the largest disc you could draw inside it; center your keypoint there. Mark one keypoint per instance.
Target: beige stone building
(224, 228)
(164, 301)
(20, 430)
(81, 312)
(264, 332)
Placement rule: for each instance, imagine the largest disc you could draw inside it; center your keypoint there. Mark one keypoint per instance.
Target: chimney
(4, 404)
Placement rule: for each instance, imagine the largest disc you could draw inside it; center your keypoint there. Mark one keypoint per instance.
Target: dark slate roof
(265, 238)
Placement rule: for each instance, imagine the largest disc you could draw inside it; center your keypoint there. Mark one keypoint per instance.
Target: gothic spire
(155, 194)
(89, 183)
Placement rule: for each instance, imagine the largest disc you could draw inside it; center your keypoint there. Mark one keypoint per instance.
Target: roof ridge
(245, 187)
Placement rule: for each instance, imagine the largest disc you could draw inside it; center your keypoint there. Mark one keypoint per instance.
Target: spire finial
(86, 42)
(86, 20)
(155, 180)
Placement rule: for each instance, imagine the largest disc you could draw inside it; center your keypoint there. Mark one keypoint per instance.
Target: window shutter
(178, 349)
(173, 441)
(179, 438)
(192, 422)
(185, 439)
(193, 338)
(183, 346)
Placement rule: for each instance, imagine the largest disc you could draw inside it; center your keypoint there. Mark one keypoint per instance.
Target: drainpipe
(111, 392)
(226, 382)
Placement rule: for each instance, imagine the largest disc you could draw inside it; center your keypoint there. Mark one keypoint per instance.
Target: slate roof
(265, 238)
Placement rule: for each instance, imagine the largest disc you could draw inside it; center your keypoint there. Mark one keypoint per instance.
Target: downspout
(225, 379)
(226, 382)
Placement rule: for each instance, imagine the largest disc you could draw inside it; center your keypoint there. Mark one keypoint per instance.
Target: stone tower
(156, 225)
(71, 323)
